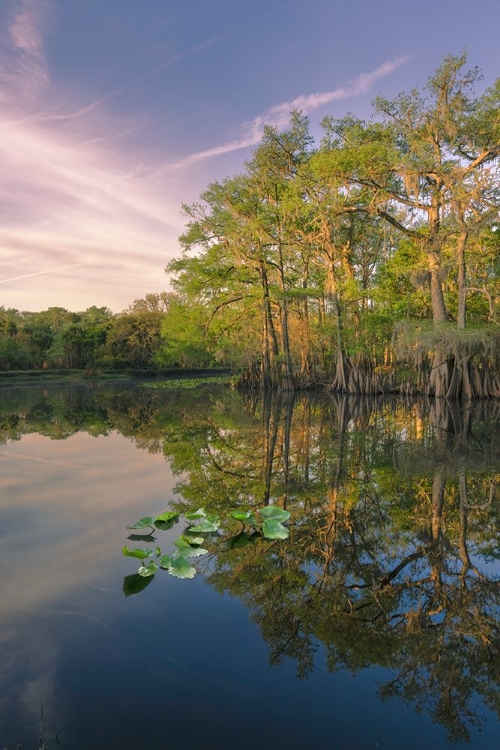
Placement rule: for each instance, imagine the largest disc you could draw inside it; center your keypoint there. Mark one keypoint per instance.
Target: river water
(374, 624)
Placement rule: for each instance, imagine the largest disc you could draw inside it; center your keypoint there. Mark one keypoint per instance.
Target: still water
(375, 624)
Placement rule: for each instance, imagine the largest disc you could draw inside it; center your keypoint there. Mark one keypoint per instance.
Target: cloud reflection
(64, 509)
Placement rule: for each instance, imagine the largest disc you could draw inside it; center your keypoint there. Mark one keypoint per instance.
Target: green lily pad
(248, 517)
(186, 550)
(165, 562)
(143, 522)
(142, 554)
(272, 529)
(169, 515)
(200, 513)
(166, 525)
(272, 512)
(191, 539)
(207, 525)
(148, 570)
(181, 568)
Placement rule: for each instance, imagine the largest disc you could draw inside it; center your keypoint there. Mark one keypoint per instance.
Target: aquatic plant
(192, 382)
(263, 523)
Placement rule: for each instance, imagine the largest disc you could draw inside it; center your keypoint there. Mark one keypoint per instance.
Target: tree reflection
(391, 558)
(393, 555)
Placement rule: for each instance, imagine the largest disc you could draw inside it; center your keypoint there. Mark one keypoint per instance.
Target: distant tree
(152, 302)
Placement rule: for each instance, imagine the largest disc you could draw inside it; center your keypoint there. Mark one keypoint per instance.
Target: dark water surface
(374, 625)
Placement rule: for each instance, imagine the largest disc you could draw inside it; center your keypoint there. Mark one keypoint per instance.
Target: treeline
(369, 262)
(93, 340)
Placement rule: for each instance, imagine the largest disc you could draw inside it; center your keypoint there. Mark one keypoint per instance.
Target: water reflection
(393, 555)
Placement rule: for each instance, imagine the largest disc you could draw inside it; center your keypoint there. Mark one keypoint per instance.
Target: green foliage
(143, 523)
(298, 269)
(181, 568)
(273, 513)
(272, 529)
(142, 554)
(177, 383)
(308, 259)
(148, 570)
(188, 545)
(392, 557)
(184, 339)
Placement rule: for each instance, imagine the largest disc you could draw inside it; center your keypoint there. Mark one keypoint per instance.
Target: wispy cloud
(112, 137)
(192, 51)
(68, 210)
(23, 68)
(195, 49)
(42, 273)
(79, 112)
(279, 114)
(84, 211)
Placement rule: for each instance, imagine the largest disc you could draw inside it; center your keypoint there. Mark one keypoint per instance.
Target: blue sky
(113, 113)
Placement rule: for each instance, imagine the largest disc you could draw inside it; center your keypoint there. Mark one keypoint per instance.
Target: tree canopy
(306, 264)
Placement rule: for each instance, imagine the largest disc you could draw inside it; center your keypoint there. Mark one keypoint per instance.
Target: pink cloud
(23, 69)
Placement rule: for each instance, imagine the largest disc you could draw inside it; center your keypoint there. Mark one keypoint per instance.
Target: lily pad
(148, 570)
(190, 537)
(181, 568)
(166, 525)
(248, 517)
(141, 554)
(165, 562)
(169, 515)
(207, 525)
(200, 513)
(272, 529)
(186, 550)
(272, 512)
(143, 522)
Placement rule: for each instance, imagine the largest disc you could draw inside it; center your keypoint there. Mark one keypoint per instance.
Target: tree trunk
(462, 278)
(437, 297)
(288, 379)
(270, 349)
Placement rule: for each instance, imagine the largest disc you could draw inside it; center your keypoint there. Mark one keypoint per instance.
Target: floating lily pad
(190, 537)
(272, 529)
(148, 570)
(165, 561)
(181, 568)
(272, 512)
(186, 550)
(248, 517)
(169, 515)
(200, 513)
(143, 522)
(141, 554)
(166, 525)
(207, 525)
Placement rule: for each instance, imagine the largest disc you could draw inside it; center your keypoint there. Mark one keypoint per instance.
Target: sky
(115, 113)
